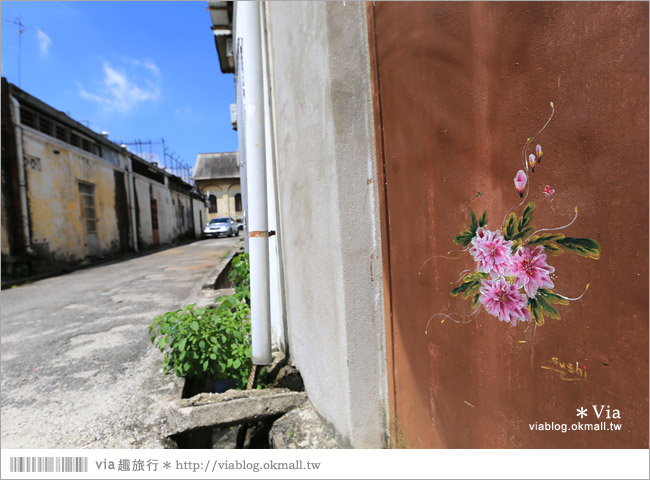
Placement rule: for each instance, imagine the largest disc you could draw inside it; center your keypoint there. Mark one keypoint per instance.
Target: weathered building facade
(69, 193)
(217, 176)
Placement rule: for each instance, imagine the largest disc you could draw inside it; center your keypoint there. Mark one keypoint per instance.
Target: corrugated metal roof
(216, 165)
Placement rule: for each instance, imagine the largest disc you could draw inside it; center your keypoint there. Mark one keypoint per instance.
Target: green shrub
(208, 343)
(240, 275)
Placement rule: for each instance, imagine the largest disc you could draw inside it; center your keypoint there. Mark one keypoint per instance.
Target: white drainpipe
(248, 30)
(22, 185)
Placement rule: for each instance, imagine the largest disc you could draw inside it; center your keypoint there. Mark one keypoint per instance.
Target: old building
(369, 133)
(69, 193)
(217, 176)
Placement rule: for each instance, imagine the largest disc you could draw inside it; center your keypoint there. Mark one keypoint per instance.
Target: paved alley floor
(78, 369)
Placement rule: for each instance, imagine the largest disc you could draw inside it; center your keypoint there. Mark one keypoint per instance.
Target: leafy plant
(241, 277)
(209, 343)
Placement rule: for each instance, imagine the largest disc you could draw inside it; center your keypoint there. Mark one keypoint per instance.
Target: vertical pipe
(241, 122)
(22, 184)
(132, 210)
(250, 73)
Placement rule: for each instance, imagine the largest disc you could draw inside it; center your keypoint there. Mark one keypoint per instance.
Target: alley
(78, 368)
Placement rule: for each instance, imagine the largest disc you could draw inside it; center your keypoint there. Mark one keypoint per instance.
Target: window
(45, 125)
(213, 204)
(27, 117)
(87, 203)
(75, 140)
(238, 207)
(61, 133)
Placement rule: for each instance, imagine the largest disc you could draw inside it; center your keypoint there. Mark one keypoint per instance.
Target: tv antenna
(21, 29)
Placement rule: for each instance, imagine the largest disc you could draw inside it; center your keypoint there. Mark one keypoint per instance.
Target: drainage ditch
(253, 435)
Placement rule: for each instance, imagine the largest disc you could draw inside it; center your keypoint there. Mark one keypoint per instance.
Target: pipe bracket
(260, 233)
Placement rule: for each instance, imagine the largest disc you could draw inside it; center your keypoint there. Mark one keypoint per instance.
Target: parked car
(221, 227)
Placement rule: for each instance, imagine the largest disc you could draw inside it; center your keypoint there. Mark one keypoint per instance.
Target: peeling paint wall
(57, 224)
(78, 192)
(174, 223)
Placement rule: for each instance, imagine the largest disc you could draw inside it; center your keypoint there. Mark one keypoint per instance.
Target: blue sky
(139, 70)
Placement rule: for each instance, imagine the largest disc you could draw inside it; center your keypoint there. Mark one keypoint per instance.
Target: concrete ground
(77, 367)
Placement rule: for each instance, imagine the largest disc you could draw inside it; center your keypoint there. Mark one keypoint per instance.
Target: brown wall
(459, 88)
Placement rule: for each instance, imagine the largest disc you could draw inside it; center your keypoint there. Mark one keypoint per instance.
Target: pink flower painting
(511, 279)
(520, 182)
(504, 301)
(491, 252)
(532, 159)
(531, 271)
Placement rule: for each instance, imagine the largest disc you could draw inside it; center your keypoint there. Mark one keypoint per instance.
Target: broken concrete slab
(233, 407)
(302, 428)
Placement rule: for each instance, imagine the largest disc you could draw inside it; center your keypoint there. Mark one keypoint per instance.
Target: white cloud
(44, 42)
(121, 90)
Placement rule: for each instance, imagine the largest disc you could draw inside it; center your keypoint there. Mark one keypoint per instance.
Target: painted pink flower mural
(504, 301)
(520, 182)
(531, 271)
(491, 252)
(512, 279)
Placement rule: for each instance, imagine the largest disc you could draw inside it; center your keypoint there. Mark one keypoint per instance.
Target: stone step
(234, 407)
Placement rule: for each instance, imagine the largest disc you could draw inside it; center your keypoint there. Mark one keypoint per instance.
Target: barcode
(48, 464)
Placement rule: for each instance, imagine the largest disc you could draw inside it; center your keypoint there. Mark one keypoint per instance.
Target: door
(154, 222)
(89, 216)
(518, 274)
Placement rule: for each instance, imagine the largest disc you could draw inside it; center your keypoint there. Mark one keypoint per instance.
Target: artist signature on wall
(569, 371)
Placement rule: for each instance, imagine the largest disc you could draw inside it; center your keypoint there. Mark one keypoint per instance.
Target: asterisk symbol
(167, 465)
(582, 412)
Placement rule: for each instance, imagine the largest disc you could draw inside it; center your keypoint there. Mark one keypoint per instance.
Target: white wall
(329, 218)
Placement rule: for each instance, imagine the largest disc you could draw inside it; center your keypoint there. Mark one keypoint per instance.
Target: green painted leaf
(509, 229)
(552, 297)
(585, 247)
(470, 286)
(464, 238)
(547, 308)
(194, 326)
(236, 363)
(527, 216)
(536, 311)
(484, 219)
(522, 234)
(475, 300)
(473, 225)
